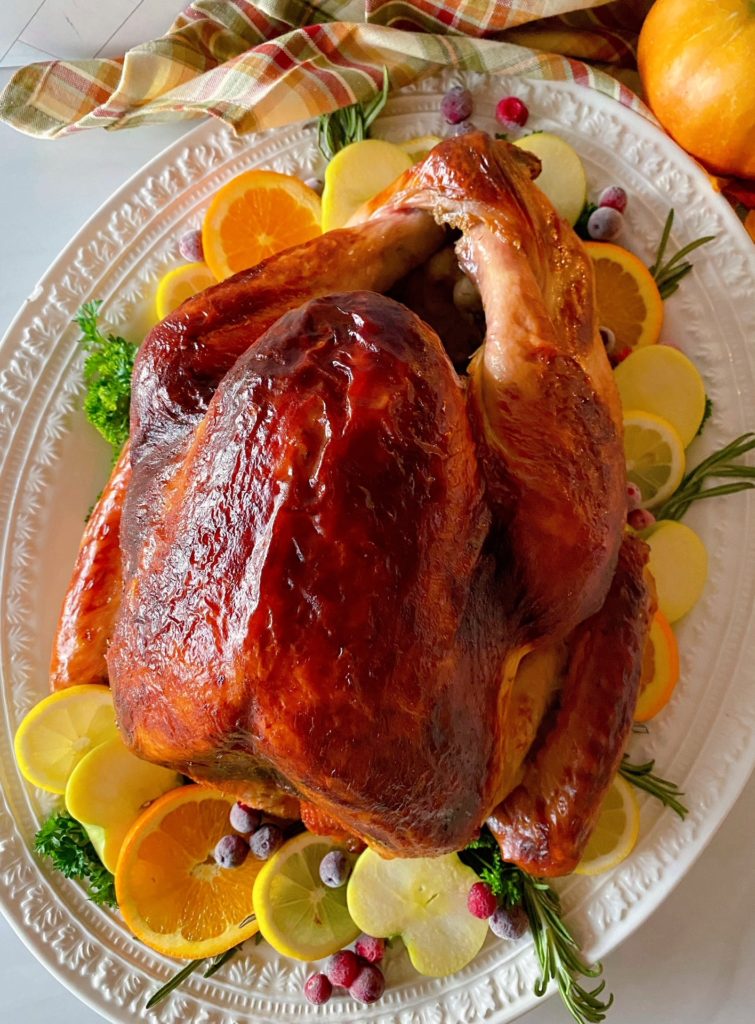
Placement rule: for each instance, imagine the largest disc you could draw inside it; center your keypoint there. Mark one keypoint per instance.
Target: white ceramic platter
(52, 466)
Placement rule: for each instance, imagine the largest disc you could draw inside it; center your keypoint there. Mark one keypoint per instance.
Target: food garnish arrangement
(387, 569)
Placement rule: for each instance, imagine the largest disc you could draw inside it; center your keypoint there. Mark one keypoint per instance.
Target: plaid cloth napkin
(273, 62)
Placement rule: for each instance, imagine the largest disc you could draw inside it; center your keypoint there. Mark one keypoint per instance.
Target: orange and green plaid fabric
(273, 62)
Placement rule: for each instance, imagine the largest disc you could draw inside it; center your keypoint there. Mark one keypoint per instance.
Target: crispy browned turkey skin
(336, 551)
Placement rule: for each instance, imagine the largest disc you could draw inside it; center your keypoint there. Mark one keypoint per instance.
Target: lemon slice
(424, 900)
(419, 147)
(357, 173)
(655, 456)
(615, 833)
(562, 177)
(180, 284)
(59, 731)
(679, 564)
(662, 380)
(297, 913)
(107, 791)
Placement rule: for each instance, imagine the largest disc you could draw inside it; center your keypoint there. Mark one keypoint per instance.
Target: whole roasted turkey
(337, 576)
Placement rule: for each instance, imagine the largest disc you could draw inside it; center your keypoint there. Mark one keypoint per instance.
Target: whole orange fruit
(697, 63)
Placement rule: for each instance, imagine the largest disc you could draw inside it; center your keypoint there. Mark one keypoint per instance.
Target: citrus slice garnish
(108, 790)
(562, 176)
(424, 900)
(255, 215)
(172, 893)
(615, 832)
(59, 731)
(660, 669)
(628, 300)
(662, 380)
(180, 284)
(655, 456)
(297, 913)
(357, 173)
(679, 565)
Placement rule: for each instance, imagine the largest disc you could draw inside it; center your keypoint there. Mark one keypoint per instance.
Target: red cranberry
(481, 902)
(640, 518)
(456, 105)
(370, 949)
(369, 984)
(318, 989)
(342, 968)
(511, 111)
(615, 197)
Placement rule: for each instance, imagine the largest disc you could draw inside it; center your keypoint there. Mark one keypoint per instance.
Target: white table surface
(692, 962)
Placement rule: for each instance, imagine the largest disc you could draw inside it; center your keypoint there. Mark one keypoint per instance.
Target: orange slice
(171, 892)
(628, 299)
(660, 669)
(254, 216)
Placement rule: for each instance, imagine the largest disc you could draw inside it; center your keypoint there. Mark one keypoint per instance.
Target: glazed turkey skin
(336, 549)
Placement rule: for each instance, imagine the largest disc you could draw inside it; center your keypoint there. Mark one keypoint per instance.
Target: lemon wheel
(180, 284)
(615, 833)
(654, 456)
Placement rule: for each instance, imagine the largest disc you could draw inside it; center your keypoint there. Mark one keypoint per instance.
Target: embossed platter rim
(117, 257)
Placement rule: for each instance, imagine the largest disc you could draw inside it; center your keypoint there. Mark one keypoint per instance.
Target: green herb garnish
(557, 950)
(349, 124)
(720, 465)
(641, 776)
(668, 275)
(706, 415)
(108, 367)
(65, 842)
(581, 226)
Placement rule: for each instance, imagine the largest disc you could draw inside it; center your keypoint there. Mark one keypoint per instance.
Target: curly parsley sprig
(350, 124)
(65, 842)
(108, 367)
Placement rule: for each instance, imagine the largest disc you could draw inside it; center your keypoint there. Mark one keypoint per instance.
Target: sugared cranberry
(615, 197)
(604, 224)
(481, 902)
(265, 841)
(608, 338)
(369, 984)
(640, 518)
(316, 184)
(190, 246)
(456, 105)
(508, 922)
(342, 968)
(634, 496)
(510, 111)
(244, 819)
(318, 989)
(370, 949)
(335, 869)
(462, 128)
(231, 851)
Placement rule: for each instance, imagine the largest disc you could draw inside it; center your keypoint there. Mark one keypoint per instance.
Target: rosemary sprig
(641, 776)
(349, 124)
(560, 956)
(720, 465)
(193, 965)
(668, 275)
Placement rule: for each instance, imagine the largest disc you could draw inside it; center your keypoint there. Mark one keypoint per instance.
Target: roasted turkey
(354, 579)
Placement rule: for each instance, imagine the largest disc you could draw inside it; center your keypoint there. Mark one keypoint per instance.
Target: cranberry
(511, 112)
(316, 184)
(508, 922)
(615, 197)
(608, 338)
(342, 968)
(369, 984)
(640, 518)
(244, 819)
(265, 841)
(335, 869)
(604, 224)
(634, 496)
(370, 949)
(318, 989)
(481, 902)
(231, 851)
(456, 105)
(620, 356)
(190, 246)
(462, 128)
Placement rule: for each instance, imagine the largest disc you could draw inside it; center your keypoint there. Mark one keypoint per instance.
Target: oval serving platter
(52, 466)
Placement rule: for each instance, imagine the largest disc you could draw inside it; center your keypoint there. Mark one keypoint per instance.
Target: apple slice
(108, 790)
(424, 900)
(562, 177)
